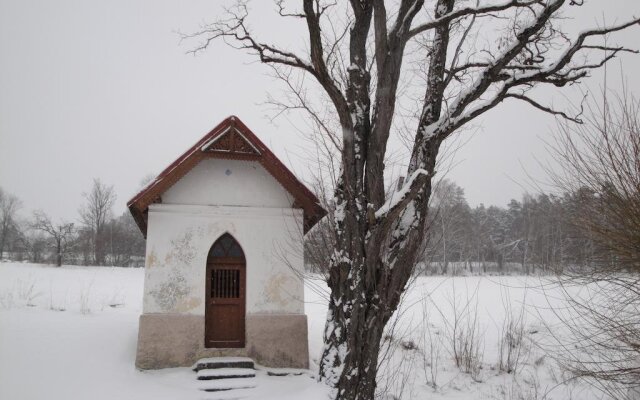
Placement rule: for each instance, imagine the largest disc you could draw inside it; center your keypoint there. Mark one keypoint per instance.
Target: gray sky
(104, 89)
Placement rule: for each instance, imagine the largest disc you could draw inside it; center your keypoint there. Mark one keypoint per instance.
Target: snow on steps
(285, 371)
(233, 377)
(223, 362)
(225, 373)
(229, 377)
(220, 385)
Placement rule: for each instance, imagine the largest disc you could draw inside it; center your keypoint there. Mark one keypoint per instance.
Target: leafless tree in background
(34, 246)
(601, 164)
(9, 206)
(357, 54)
(451, 228)
(61, 235)
(95, 214)
(38, 239)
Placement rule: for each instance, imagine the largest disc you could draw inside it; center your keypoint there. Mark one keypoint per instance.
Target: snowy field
(70, 333)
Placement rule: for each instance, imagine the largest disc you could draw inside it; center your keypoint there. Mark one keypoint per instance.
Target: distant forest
(532, 235)
(536, 234)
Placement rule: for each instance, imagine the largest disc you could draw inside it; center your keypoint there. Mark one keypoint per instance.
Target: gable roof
(230, 140)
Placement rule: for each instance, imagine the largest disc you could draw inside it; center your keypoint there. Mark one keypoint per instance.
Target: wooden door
(225, 294)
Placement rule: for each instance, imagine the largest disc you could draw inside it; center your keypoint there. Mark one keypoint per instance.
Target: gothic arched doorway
(225, 294)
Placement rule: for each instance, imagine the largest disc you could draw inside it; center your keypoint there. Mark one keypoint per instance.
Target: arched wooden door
(225, 296)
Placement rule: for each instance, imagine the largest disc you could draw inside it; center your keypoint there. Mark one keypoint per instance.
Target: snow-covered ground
(70, 333)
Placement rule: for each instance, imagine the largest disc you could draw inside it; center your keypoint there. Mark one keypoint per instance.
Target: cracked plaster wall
(178, 241)
(218, 196)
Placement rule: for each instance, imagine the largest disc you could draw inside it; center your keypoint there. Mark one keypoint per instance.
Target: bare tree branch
(548, 110)
(463, 12)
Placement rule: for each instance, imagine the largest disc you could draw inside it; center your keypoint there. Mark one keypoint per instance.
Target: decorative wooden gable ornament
(231, 139)
(232, 142)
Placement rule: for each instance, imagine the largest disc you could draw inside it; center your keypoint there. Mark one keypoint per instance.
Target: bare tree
(96, 211)
(358, 66)
(60, 234)
(35, 246)
(450, 230)
(126, 243)
(9, 206)
(601, 165)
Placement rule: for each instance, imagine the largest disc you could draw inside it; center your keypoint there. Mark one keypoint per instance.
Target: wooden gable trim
(235, 143)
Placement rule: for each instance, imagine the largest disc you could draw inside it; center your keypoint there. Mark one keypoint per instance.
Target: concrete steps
(221, 385)
(231, 377)
(223, 362)
(225, 373)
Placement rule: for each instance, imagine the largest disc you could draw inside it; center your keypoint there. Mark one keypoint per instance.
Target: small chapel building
(224, 225)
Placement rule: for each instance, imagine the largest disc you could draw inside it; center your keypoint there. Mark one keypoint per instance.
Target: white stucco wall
(228, 183)
(215, 197)
(179, 239)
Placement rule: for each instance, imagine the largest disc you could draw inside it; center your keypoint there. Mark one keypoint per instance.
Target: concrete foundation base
(177, 340)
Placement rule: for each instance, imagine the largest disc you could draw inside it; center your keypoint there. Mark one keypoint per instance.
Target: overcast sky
(104, 89)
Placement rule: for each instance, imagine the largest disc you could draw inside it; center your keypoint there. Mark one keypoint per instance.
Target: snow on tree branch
(463, 12)
(399, 200)
(507, 77)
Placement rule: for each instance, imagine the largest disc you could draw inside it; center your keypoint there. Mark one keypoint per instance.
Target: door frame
(213, 263)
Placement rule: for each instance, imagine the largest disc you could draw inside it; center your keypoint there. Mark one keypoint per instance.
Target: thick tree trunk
(373, 261)
(361, 333)
(59, 253)
(368, 275)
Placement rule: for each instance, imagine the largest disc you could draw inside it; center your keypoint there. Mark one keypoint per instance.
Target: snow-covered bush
(465, 334)
(512, 347)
